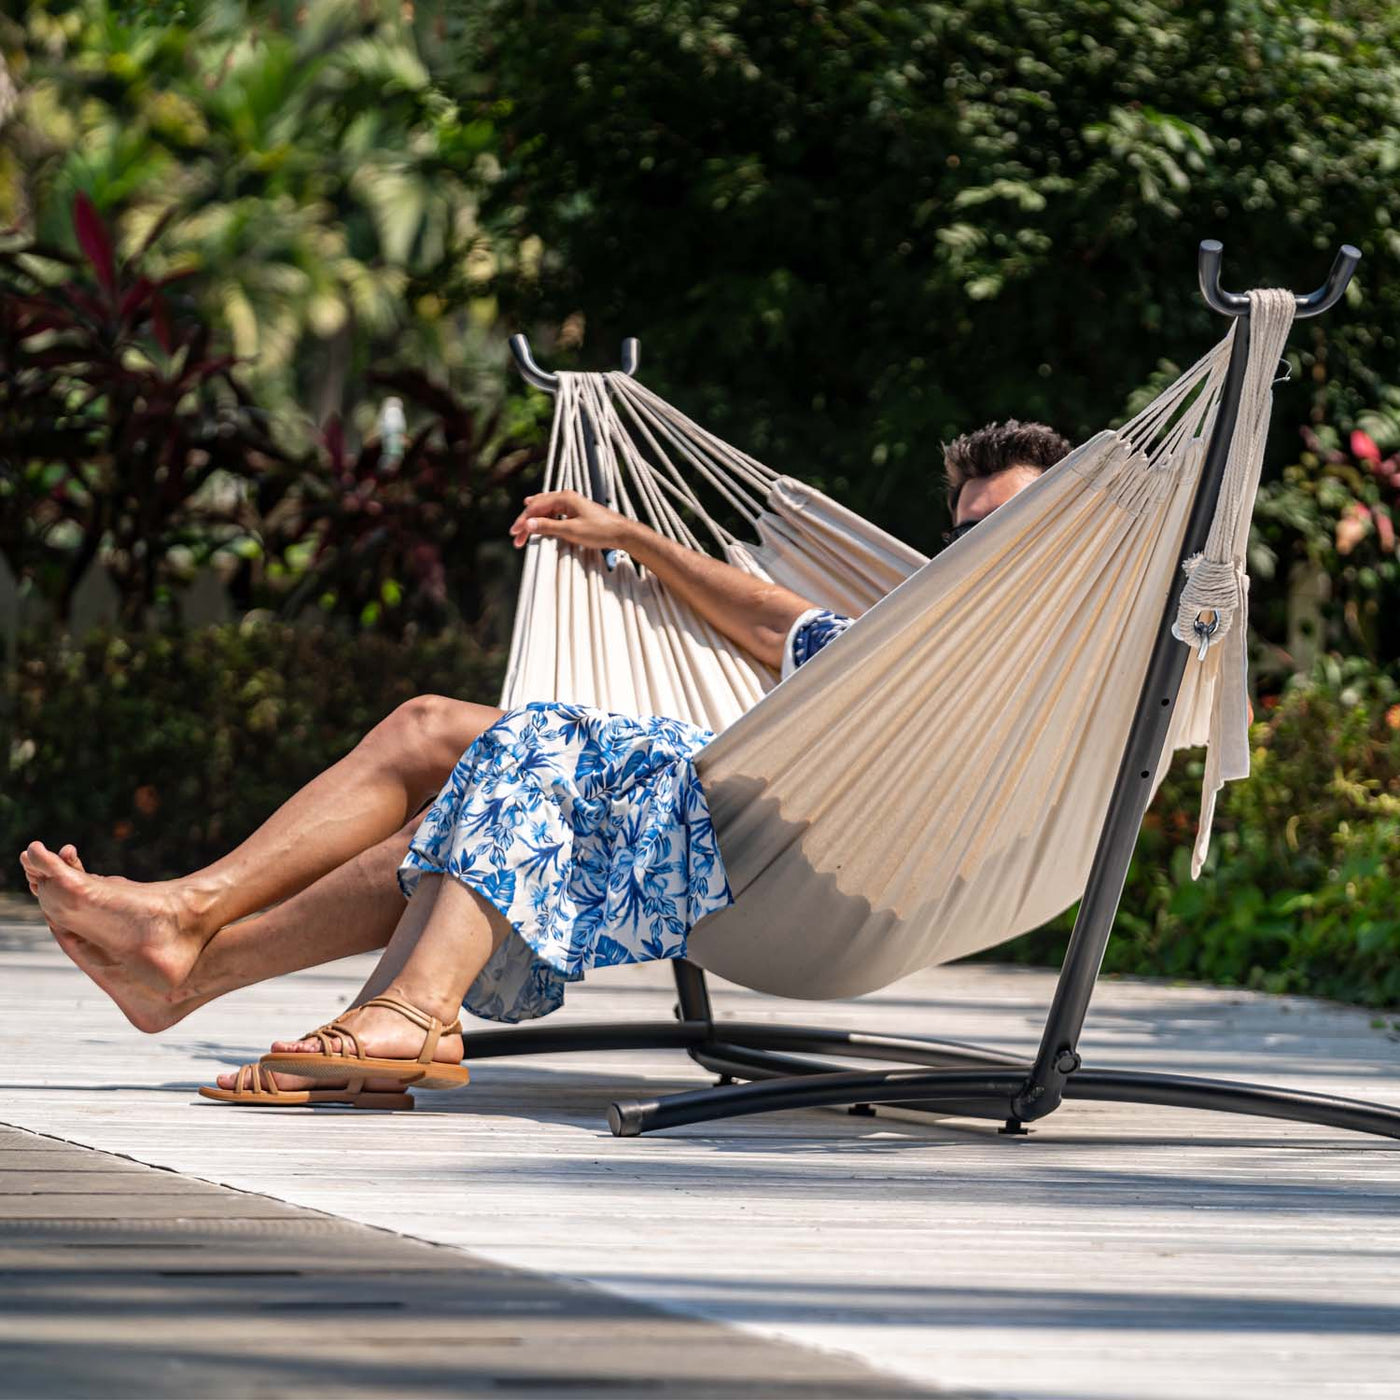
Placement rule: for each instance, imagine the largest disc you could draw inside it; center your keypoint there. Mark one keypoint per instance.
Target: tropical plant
(392, 533)
(130, 444)
(123, 434)
(297, 155)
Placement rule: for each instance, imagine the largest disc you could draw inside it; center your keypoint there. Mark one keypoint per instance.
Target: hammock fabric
(933, 782)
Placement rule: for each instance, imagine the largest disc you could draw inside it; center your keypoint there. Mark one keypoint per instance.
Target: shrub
(128, 444)
(1325, 530)
(847, 229)
(1299, 892)
(156, 754)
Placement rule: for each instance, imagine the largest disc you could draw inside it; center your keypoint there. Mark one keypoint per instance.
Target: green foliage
(128, 443)
(383, 537)
(1326, 531)
(156, 754)
(848, 229)
(122, 434)
(299, 156)
(1298, 894)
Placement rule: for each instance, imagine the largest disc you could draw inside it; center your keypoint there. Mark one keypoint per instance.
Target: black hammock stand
(946, 1077)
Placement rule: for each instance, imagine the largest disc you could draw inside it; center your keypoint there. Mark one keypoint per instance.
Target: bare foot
(142, 925)
(381, 1033)
(68, 855)
(148, 1008)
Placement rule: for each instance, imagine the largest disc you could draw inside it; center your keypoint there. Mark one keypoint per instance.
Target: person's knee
(424, 737)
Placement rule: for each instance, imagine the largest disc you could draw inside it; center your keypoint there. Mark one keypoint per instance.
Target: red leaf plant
(114, 416)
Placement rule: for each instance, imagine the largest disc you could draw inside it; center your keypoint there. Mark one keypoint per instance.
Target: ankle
(428, 1000)
(196, 909)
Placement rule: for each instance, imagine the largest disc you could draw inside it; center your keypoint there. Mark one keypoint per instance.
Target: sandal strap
(250, 1080)
(336, 1030)
(433, 1029)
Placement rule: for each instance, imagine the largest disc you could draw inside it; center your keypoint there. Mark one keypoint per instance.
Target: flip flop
(343, 1063)
(254, 1085)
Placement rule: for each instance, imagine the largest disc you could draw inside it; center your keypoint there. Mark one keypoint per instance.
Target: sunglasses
(958, 531)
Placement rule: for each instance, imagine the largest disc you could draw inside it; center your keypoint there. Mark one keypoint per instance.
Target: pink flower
(1353, 527)
(1363, 447)
(1385, 531)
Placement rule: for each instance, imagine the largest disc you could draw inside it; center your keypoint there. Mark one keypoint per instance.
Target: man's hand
(751, 612)
(567, 516)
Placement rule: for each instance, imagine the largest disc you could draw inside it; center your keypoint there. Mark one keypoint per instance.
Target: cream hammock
(934, 782)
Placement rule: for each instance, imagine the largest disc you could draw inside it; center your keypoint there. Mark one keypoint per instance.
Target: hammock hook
(531, 373)
(1204, 632)
(1237, 303)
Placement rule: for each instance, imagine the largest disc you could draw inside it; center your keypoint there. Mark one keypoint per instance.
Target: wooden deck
(1115, 1253)
(118, 1280)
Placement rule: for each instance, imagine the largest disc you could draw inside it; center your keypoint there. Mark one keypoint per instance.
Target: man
(985, 469)
(317, 881)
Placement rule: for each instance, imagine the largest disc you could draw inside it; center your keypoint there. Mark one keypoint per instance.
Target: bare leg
(158, 929)
(352, 910)
(445, 938)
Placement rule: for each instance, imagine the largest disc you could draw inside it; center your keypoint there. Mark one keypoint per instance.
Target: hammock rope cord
(934, 781)
(1216, 580)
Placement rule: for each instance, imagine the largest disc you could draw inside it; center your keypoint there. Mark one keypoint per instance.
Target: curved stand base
(990, 1094)
(706, 1039)
(946, 1077)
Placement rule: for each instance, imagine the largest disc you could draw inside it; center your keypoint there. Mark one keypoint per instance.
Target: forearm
(751, 612)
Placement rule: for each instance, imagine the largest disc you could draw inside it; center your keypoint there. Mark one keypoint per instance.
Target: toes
(42, 862)
(304, 1047)
(227, 1081)
(69, 856)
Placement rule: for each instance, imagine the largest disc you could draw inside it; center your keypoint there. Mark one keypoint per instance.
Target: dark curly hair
(997, 448)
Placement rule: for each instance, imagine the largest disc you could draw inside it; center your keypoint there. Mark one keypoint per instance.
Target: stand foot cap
(626, 1118)
(1013, 1128)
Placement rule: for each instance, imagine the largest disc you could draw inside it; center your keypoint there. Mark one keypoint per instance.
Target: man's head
(986, 468)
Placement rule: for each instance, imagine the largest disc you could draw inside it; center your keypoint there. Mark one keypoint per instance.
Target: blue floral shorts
(589, 831)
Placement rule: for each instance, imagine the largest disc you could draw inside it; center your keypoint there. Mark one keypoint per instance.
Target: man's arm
(751, 613)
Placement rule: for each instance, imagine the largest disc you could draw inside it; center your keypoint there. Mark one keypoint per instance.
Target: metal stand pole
(1058, 1056)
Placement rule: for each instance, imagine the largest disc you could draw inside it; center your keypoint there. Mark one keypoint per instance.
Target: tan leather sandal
(349, 1061)
(255, 1085)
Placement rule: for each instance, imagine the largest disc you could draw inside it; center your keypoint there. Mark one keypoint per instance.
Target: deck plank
(195, 1289)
